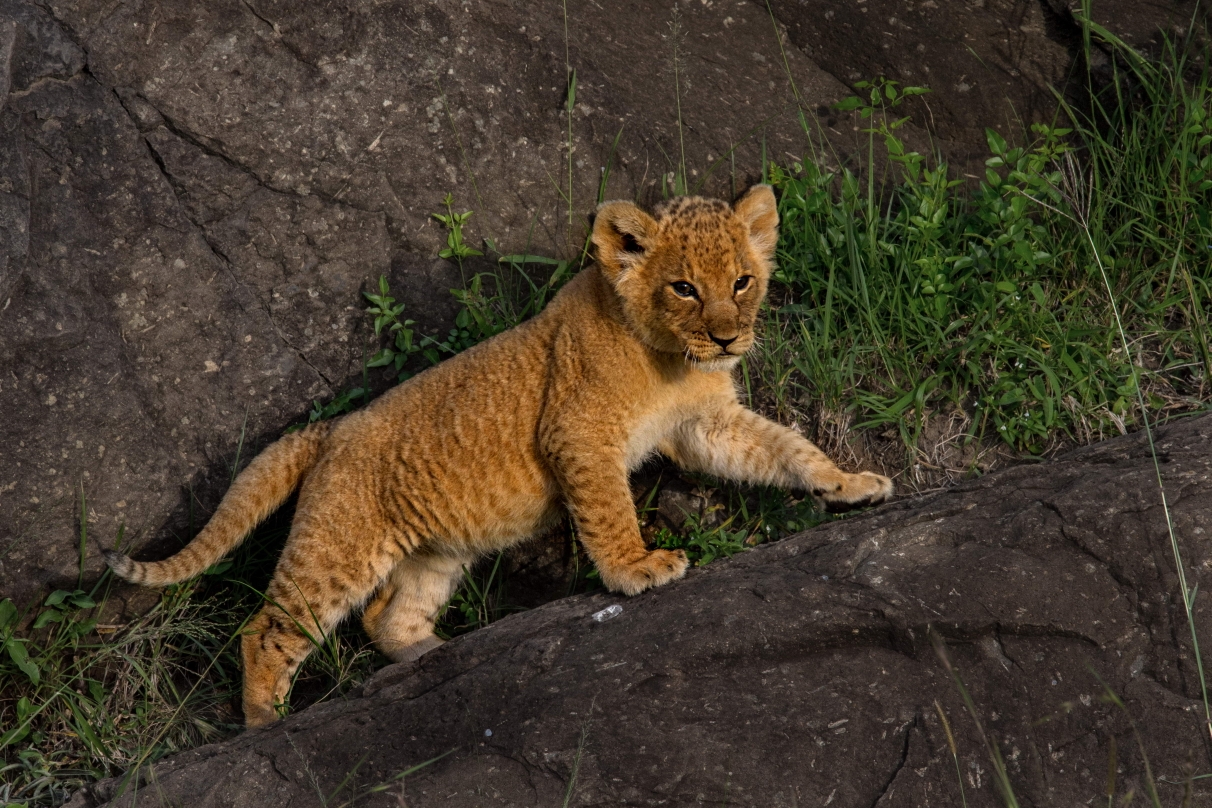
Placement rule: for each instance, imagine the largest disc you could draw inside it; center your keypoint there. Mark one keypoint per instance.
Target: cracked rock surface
(193, 195)
(801, 673)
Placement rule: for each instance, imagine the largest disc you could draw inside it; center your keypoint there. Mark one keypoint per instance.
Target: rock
(134, 353)
(1143, 24)
(8, 36)
(989, 63)
(802, 672)
(193, 196)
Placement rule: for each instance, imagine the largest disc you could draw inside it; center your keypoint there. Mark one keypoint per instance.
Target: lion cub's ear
(623, 235)
(760, 212)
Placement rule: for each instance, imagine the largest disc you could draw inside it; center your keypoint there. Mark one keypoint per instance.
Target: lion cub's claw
(651, 569)
(857, 491)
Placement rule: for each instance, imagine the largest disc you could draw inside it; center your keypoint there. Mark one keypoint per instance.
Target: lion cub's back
(455, 447)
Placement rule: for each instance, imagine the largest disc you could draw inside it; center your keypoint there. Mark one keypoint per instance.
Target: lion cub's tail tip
(122, 565)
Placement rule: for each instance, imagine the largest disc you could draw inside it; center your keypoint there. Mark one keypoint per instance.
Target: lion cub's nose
(720, 341)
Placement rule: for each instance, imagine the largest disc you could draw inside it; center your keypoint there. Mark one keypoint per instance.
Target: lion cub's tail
(265, 484)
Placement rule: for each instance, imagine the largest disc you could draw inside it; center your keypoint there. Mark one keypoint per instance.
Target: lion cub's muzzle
(709, 347)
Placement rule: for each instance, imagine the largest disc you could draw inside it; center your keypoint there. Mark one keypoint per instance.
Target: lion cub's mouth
(723, 360)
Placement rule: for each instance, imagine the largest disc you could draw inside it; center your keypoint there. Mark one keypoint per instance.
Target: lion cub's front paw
(652, 569)
(857, 491)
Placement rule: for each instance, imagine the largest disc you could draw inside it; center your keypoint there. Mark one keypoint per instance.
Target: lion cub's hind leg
(323, 574)
(273, 647)
(300, 614)
(401, 617)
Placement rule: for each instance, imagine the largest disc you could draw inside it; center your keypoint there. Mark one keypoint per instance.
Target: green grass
(925, 326)
(83, 700)
(920, 300)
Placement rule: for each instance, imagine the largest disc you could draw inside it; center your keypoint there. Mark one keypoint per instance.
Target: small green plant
(481, 315)
(61, 604)
(704, 545)
(455, 247)
(496, 301)
(476, 321)
(481, 599)
(386, 312)
(15, 649)
(346, 401)
(883, 94)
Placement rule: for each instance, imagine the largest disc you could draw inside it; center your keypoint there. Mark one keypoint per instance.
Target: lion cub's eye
(742, 283)
(683, 289)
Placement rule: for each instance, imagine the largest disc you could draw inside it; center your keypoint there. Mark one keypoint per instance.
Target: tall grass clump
(79, 705)
(915, 298)
(86, 693)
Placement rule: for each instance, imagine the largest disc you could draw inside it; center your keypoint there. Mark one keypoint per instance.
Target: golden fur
(491, 446)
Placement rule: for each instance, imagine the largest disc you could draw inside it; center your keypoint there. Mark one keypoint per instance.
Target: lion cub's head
(691, 279)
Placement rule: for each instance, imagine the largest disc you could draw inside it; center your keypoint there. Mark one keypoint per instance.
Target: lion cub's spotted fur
(484, 450)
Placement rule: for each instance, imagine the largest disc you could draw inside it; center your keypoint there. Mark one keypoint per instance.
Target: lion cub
(488, 448)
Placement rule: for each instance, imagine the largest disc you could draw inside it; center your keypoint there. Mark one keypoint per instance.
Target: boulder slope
(801, 673)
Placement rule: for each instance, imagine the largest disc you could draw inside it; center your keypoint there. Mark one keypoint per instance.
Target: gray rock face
(192, 196)
(990, 63)
(801, 672)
